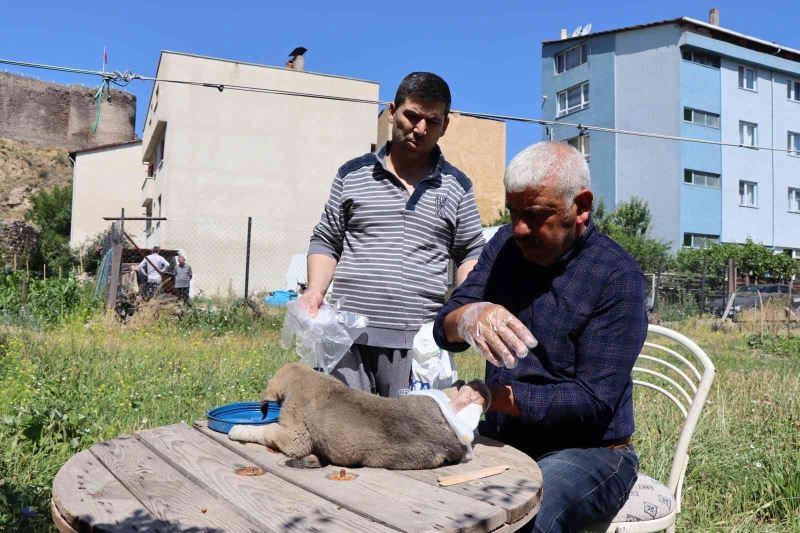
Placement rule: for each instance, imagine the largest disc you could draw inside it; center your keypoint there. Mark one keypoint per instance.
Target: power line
(122, 79)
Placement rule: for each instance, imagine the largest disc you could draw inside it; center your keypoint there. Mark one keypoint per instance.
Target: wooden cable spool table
(182, 478)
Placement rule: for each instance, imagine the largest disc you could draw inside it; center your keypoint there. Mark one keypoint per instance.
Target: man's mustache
(528, 242)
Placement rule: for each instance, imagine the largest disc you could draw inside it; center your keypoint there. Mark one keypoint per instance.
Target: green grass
(64, 388)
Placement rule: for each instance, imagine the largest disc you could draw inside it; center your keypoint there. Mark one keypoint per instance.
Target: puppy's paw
(244, 433)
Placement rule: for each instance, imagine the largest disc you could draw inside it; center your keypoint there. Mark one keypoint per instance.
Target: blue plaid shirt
(588, 313)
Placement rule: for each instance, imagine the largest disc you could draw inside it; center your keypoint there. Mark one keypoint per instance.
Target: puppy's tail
(309, 461)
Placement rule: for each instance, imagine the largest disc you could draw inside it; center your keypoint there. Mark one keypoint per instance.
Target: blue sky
(489, 52)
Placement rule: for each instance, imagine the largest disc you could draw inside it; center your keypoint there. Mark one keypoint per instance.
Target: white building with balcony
(216, 156)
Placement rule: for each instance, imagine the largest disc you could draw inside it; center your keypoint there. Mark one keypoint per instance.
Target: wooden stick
(446, 481)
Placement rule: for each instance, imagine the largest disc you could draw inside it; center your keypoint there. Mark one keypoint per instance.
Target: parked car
(747, 298)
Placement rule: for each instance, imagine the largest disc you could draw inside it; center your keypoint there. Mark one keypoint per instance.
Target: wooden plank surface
(518, 490)
(166, 493)
(278, 504)
(389, 497)
(89, 498)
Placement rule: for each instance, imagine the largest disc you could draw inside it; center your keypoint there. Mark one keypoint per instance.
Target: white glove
(497, 334)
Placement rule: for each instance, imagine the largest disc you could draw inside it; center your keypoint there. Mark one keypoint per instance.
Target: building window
(699, 240)
(794, 200)
(699, 57)
(793, 143)
(573, 99)
(705, 179)
(793, 90)
(571, 58)
(581, 144)
(748, 134)
(747, 78)
(704, 118)
(748, 193)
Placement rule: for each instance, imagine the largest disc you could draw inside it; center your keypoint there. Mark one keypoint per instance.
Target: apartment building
(693, 79)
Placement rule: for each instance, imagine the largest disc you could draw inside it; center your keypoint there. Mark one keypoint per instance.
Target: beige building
(105, 180)
(217, 156)
(477, 147)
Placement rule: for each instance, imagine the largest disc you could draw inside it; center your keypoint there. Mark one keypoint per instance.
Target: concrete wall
(648, 99)
(700, 206)
(477, 147)
(599, 71)
(52, 115)
(746, 164)
(105, 180)
(233, 154)
(770, 222)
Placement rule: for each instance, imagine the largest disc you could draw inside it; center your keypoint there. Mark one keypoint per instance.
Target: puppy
(323, 421)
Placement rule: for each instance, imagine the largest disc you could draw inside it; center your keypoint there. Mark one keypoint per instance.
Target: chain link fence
(233, 257)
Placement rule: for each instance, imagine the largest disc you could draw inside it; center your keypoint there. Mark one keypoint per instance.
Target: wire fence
(233, 257)
(246, 257)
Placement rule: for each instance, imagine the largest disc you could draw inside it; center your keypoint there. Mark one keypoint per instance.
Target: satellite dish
(586, 30)
(577, 31)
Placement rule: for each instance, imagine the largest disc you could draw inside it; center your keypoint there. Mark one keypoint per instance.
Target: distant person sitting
(152, 266)
(183, 277)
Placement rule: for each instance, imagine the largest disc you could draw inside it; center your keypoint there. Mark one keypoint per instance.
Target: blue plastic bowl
(224, 417)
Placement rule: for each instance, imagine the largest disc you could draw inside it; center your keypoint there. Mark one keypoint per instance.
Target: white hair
(549, 161)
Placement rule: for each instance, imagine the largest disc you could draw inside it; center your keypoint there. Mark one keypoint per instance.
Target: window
(581, 144)
(573, 99)
(793, 90)
(571, 58)
(704, 118)
(794, 200)
(705, 179)
(748, 193)
(698, 240)
(747, 78)
(748, 134)
(699, 57)
(793, 143)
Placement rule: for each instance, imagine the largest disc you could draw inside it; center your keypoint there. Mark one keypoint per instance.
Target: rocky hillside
(25, 169)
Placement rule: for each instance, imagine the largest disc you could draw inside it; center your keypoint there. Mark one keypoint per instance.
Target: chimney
(563, 33)
(296, 59)
(713, 16)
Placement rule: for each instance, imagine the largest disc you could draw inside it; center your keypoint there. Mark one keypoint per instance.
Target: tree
(632, 217)
(51, 211)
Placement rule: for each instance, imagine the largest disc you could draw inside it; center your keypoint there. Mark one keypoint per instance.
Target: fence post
(703, 286)
(116, 265)
(731, 276)
(658, 284)
(247, 259)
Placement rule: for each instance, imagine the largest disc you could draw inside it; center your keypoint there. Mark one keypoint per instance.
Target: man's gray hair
(558, 161)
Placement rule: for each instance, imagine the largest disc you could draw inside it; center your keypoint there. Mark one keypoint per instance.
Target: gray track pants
(383, 371)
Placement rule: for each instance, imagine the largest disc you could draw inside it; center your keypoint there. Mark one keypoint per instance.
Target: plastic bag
(323, 340)
(431, 367)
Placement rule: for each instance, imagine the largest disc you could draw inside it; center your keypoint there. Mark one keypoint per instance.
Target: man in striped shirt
(393, 221)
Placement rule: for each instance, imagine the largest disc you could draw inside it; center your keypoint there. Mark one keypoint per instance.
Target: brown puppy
(323, 420)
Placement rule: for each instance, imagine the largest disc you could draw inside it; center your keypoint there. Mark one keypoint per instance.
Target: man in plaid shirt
(558, 311)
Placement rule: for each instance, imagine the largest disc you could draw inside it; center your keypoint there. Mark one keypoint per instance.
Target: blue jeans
(583, 486)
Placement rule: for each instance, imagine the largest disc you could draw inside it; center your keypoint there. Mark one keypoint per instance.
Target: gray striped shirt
(393, 248)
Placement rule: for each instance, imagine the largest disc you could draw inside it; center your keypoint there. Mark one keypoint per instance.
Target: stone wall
(49, 114)
(18, 239)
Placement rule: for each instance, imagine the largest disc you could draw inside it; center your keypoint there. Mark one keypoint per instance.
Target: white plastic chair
(684, 375)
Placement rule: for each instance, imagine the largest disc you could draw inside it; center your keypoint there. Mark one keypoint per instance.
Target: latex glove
(311, 300)
(497, 334)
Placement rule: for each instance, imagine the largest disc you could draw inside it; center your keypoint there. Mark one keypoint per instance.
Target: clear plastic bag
(322, 340)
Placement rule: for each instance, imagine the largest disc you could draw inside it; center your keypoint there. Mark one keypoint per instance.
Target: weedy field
(67, 384)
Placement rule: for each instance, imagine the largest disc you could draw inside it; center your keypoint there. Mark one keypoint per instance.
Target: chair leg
(671, 529)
